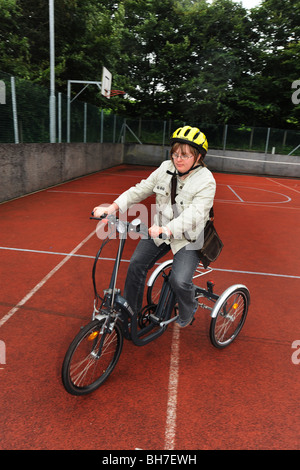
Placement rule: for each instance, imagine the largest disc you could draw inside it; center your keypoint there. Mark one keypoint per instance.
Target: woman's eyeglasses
(184, 157)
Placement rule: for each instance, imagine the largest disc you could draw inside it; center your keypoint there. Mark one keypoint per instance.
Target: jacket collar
(176, 172)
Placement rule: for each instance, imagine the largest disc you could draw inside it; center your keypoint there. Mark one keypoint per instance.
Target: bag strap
(173, 195)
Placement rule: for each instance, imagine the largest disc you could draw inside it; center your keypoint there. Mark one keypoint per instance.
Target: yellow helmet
(191, 136)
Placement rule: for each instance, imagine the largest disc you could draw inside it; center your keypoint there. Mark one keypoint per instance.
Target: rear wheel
(91, 357)
(229, 315)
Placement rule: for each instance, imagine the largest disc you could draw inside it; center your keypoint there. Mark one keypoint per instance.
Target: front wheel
(229, 315)
(91, 357)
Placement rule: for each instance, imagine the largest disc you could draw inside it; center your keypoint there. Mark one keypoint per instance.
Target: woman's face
(183, 164)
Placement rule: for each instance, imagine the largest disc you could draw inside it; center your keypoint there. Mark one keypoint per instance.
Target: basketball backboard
(106, 83)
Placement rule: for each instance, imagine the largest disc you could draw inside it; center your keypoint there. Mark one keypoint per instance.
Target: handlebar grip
(163, 236)
(103, 216)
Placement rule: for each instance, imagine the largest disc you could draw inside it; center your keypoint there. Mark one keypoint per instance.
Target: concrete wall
(137, 154)
(229, 161)
(25, 168)
(253, 163)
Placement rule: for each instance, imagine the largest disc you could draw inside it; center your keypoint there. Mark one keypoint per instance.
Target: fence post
(14, 107)
(251, 138)
(59, 117)
(69, 112)
(101, 128)
(164, 134)
(267, 141)
(124, 131)
(225, 137)
(114, 128)
(52, 104)
(84, 122)
(2, 92)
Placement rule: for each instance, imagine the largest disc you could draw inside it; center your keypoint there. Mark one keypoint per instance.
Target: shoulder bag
(212, 245)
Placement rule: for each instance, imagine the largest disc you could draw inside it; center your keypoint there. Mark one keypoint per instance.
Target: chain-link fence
(24, 117)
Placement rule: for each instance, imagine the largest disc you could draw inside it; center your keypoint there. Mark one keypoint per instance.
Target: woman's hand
(155, 231)
(98, 211)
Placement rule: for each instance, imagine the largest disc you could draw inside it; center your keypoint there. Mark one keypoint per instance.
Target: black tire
(230, 313)
(83, 370)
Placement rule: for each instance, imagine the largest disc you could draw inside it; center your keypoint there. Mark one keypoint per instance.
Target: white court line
(42, 252)
(170, 427)
(73, 254)
(44, 280)
(224, 201)
(235, 193)
(79, 192)
(288, 199)
(256, 273)
(273, 205)
(284, 185)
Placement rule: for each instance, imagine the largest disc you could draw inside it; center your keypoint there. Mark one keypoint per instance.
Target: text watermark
(2, 354)
(296, 94)
(296, 354)
(189, 223)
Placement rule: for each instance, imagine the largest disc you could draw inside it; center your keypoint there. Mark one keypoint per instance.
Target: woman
(182, 223)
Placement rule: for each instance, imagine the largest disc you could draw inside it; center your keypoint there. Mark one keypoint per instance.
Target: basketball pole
(52, 99)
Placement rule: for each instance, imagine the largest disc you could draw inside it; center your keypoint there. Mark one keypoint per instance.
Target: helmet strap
(193, 166)
(187, 172)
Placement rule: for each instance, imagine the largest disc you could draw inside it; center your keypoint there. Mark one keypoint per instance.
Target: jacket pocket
(162, 192)
(183, 200)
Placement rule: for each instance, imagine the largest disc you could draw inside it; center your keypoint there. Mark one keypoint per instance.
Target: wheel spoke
(229, 318)
(86, 366)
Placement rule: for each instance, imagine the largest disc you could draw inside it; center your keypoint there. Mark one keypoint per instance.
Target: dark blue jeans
(145, 256)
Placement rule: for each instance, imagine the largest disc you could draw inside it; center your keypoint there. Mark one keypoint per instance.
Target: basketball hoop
(106, 85)
(115, 93)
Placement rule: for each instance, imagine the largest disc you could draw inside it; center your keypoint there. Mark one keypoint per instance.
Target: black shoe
(183, 323)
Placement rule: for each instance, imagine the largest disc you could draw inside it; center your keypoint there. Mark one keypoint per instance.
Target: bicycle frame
(116, 307)
(96, 348)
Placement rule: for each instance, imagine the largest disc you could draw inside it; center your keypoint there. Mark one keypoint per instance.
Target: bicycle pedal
(154, 319)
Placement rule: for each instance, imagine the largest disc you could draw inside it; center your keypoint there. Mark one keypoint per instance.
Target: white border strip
(252, 160)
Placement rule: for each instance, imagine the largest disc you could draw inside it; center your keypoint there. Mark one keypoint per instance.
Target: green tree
(191, 60)
(185, 57)
(268, 99)
(14, 47)
(87, 37)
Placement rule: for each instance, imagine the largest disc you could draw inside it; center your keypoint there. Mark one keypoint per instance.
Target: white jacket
(195, 196)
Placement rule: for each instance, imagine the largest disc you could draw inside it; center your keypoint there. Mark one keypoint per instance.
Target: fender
(126, 314)
(159, 268)
(225, 294)
(124, 305)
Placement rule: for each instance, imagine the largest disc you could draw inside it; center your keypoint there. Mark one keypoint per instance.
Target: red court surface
(178, 392)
